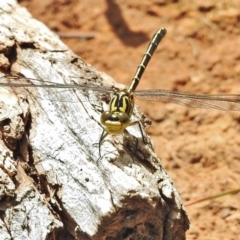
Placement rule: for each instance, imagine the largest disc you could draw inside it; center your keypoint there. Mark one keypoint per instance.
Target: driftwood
(54, 183)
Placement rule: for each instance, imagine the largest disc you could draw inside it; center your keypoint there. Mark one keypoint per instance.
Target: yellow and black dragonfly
(118, 117)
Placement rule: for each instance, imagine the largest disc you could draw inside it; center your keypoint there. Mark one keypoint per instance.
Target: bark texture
(53, 182)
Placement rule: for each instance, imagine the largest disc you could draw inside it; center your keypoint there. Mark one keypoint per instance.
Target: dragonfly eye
(123, 118)
(105, 117)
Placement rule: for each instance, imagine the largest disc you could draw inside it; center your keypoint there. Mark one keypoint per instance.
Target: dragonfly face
(120, 111)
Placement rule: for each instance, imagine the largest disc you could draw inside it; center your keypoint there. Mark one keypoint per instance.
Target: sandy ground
(199, 148)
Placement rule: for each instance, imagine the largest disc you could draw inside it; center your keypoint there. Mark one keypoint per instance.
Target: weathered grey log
(54, 184)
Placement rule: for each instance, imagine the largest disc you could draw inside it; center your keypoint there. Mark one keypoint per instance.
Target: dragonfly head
(115, 122)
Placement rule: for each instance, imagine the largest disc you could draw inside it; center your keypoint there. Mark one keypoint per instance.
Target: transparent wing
(222, 102)
(55, 91)
(17, 81)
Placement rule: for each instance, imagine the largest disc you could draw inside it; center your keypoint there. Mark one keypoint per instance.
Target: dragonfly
(118, 117)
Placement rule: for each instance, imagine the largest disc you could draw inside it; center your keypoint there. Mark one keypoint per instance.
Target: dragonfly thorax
(120, 111)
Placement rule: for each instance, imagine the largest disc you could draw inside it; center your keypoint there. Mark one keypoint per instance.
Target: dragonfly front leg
(103, 135)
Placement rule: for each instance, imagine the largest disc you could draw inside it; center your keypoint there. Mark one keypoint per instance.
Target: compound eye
(124, 118)
(105, 117)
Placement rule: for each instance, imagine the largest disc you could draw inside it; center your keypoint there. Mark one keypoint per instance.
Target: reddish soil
(199, 148)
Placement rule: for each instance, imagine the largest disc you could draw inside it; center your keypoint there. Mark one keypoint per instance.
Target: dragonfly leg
(103, 135)
(135, 139)
(141, 130)
(143, 137)
(135, 144)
